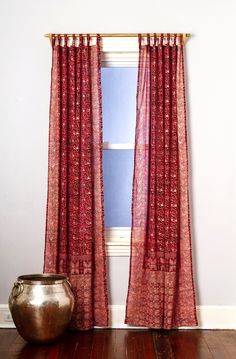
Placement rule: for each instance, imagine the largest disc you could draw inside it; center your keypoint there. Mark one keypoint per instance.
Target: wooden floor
(130, 344)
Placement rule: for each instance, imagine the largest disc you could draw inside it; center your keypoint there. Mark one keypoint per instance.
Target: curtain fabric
(161, 290)
(75, 217)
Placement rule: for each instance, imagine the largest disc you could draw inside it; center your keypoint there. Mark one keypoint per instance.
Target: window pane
(119, 104)
(118, 177)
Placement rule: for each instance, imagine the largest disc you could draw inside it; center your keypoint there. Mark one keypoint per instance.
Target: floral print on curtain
(161, 290)
(75, 217)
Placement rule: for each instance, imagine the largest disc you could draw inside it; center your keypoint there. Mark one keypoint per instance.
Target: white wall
(24, 92)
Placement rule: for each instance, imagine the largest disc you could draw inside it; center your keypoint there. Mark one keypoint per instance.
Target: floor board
(124, 344)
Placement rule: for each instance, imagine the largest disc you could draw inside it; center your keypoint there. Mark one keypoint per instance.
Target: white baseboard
(5, 317)
(216, 317)
(209, 316)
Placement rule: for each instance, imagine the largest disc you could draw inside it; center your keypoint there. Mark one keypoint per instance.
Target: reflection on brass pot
(41, 306)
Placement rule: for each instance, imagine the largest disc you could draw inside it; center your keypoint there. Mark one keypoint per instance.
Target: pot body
(41, 306)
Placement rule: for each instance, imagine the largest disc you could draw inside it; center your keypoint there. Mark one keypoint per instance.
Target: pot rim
(44, 279)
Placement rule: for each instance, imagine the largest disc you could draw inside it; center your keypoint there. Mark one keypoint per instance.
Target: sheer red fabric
(75, 218)
(161, 290)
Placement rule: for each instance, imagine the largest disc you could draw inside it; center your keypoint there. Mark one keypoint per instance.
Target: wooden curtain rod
(120, 35)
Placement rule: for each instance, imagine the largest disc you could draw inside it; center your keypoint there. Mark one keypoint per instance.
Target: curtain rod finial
(50, 38)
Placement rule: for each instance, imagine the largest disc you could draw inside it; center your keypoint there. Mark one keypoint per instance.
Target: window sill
(117, 241)
(118, 146)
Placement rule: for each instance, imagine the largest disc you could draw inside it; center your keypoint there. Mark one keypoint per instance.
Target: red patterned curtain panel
(161, 290)
(75, 219)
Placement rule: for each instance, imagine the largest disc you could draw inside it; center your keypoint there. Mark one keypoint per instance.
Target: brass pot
(41, 306)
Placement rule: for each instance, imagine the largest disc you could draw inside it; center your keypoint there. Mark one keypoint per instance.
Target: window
(119, 90)
(119, 117)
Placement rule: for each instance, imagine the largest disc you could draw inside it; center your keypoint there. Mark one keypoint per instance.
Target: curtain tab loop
(139, 40)
(161, 40)
(88, 39)
(168, 39)
(175, 39)
(65, 41)
(53, 40)
(81, 40)
(73, 40)
(155, 39)
(59, 40)
(148, 39)
(98, 41)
